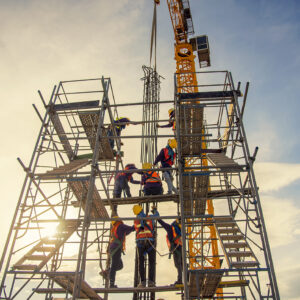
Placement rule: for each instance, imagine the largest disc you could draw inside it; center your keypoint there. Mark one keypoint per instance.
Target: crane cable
(153, 36)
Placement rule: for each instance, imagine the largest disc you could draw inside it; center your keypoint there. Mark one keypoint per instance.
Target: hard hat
(137, 209)
(130, 167)
(172, 143)
(147, 165)
(170, 110)
(113, 222)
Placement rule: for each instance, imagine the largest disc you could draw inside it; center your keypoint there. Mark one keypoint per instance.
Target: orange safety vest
(174, 125)
(176, 239)
(146, 232)
(114, 238)
(152, 176)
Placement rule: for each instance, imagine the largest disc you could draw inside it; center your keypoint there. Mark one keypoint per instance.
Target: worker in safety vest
(145, 245)
(116, 247)
(167, 158)
(120, 124)
(174, 242)
(151, 181)
(121, 182)
(172, 122)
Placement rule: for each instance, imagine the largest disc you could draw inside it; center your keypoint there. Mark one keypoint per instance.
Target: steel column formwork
(237, 225)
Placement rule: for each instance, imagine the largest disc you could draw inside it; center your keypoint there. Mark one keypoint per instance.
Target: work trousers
(111, 140)
(144, 247)
(153, 190)
(177, 256)
(121, 184)
(169, 180)
(116, 265)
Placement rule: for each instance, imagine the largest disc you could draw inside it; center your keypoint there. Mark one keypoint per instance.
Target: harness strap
(120, 244)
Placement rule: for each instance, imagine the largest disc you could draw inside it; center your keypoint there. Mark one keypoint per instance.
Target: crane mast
(185, 59)
(187, 83)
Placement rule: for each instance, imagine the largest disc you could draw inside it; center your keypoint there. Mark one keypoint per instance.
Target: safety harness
(152, 176)
(169, 156)
(176, 241)
(144, 233)
(115, 239)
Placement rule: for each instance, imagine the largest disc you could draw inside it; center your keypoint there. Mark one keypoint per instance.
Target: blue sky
(43, 42)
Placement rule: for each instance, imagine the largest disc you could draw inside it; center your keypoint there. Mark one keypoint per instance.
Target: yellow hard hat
(113, 222)
(170, 110)
(147, 165)
(172, 143)
(137, 209)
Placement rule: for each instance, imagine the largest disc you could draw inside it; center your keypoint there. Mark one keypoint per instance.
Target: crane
(184, 48)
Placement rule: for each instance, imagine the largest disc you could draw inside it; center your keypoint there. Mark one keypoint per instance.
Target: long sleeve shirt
(161, 158)
(129, 178)
(167, 227)
(122, 231)
(170, 124)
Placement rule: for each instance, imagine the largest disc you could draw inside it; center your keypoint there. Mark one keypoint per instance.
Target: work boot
(112, 285)
(151, 283)
(142, 284)
(178, 282)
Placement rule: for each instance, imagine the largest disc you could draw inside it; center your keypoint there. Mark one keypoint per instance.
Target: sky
(43, 42)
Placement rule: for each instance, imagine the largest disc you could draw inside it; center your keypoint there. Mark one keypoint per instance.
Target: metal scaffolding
(69, 180)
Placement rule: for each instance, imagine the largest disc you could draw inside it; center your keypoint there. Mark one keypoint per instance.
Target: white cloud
(274, 176)
(282, 218)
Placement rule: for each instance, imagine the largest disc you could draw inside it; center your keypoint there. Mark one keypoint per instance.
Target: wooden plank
(235, 245)
(208, 95)
(231, 237)
(143, 199)
(207, 283)
(244, 264)
(239, 253)
(61, 134)
(90, 125)
(123, 290)
(233, 283)
(80, 190)
(220, 160)
(66, 169)
(67, 283)
(76, 105)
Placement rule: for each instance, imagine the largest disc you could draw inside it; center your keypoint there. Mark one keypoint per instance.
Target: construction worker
(151, 181)
(120, 124)
(116, 246)
(121, 183)
(174, 242)
(172, 122)
(145, 240)
(167, 158)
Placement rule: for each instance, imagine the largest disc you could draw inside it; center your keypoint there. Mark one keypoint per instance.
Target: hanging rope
(168, 253)
(153, 37)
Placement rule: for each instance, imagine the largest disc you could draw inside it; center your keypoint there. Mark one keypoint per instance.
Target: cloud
(282, 218)
(274, 176)
(289, 287)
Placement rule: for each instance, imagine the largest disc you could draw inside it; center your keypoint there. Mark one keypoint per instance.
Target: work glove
(154, 210)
